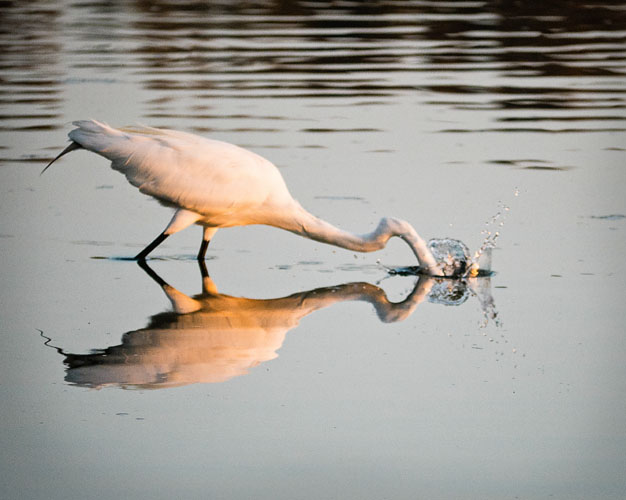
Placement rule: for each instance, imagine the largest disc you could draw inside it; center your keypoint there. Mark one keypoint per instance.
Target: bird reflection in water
(212, 337)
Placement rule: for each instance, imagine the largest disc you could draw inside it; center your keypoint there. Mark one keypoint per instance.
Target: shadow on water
(212, 337)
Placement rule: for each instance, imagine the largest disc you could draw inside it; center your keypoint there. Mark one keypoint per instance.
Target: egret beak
(473, 270)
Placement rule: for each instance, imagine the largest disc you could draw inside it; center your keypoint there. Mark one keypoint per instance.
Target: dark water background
(299, 370)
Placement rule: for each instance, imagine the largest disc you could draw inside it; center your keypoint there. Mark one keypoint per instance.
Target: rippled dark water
(513, 67)
(300, 370)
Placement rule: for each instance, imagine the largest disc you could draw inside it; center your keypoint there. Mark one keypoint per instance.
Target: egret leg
(203, 248)
(182, 218)
(206, 239)
(157, 241)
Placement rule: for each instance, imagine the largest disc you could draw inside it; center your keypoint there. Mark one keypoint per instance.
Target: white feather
(205, 176)
(216, 184)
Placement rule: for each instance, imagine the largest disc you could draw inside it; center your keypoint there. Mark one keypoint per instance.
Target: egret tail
(72, 147)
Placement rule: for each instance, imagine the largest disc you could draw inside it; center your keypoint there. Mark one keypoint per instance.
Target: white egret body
(215, 184)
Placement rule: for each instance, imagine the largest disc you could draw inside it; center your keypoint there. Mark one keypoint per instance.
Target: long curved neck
(301, 222)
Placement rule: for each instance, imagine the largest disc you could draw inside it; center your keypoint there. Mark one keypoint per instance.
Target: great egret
(215, 184)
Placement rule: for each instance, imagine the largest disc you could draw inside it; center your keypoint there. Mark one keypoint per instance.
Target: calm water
(289, 369)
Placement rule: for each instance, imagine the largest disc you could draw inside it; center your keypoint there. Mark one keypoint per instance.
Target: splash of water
(449, 292)
(481, 261)
(451, 255)
(454, 257)
(456, 261)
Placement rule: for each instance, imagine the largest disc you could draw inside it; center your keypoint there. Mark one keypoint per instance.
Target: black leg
(204, 272)
(203, 249)
(157, 241)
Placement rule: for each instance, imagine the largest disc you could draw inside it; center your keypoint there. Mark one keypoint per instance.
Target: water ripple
(499, 59)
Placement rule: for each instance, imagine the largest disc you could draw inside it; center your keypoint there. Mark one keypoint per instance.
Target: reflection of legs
(181, 303)
(144, 265)
(204, 273)
(206, 239)
(182, 219)
(208, 287)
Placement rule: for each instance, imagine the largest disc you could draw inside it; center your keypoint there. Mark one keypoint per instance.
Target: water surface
(363, 385)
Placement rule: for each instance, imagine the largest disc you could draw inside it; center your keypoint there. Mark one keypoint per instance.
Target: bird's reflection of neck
(213, 337)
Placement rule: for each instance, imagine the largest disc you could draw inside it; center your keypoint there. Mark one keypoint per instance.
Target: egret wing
(202, 175)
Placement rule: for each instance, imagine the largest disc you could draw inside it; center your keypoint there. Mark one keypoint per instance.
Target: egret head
(452, 256)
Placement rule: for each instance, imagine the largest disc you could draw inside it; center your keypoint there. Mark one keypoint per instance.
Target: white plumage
(215, 184)
(210, 177)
